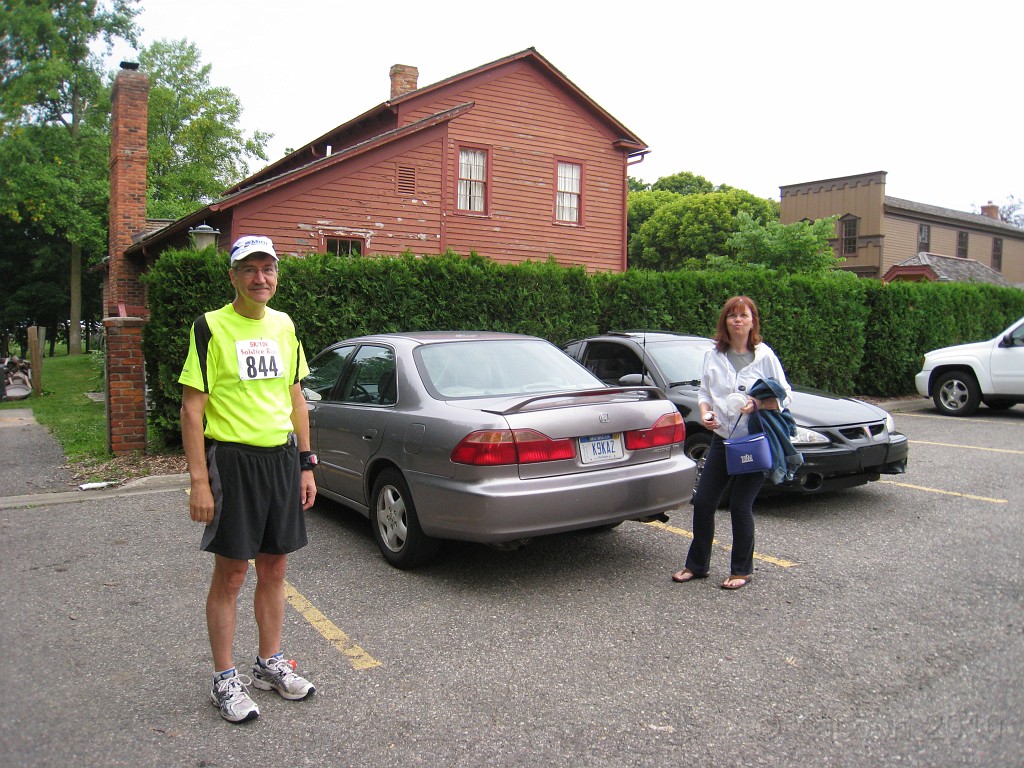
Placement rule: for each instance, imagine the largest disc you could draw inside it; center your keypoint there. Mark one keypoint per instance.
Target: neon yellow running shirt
(247, 367)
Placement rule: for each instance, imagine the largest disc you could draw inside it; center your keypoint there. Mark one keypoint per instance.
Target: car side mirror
(310, 394)
(636, 380)
(1009, 340)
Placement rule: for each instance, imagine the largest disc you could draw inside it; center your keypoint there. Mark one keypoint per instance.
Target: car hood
(815, 408)
(978, 349)
(810, 407)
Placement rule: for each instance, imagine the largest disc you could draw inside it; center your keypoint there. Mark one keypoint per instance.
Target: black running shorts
(257, 500)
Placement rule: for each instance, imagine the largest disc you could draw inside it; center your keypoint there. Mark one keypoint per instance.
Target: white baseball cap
(250, 244)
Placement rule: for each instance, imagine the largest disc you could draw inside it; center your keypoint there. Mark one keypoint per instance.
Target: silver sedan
(486, 437)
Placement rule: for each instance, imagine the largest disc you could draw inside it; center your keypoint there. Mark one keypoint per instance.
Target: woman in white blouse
(738, 360)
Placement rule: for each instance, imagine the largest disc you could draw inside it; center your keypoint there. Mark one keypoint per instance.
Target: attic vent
(406, 181)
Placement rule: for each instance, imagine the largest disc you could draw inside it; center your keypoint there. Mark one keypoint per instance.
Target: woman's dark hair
(722, 330)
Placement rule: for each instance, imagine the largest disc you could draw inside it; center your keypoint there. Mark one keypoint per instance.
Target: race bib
(259, 359)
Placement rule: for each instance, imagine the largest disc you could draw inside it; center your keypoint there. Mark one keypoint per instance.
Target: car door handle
(370, 434)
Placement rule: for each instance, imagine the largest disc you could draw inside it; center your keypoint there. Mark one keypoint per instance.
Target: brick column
(125, 398)
(124, 298)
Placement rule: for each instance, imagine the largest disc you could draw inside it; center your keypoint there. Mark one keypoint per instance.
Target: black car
(844, 442)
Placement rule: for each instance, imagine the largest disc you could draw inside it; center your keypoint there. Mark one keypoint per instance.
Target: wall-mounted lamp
(204, 236)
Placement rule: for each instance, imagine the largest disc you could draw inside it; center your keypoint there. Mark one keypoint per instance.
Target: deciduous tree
(196, 149)
(801, 247)
(685, 183)
(52, 77)
(693, 227)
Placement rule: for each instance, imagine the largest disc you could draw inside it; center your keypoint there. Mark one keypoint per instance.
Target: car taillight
(506, 446)
(667, 430)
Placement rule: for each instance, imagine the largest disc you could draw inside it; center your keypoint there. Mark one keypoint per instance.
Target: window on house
(473, 180)
(961, 245)
(850, 237)
(344, 246)
(997, 254)
(570, 192)
(924, 238)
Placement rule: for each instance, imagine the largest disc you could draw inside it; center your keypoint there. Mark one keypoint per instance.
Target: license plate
(597, 448)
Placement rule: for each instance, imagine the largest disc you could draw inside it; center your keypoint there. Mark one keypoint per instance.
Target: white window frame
(568, 192)
(472, 193)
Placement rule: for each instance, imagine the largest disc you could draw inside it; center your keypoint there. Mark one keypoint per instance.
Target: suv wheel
(957, 393)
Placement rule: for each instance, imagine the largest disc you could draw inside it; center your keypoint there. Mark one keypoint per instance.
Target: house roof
(977, 220)
(387, 112)
(934, 266)
(238, 195)
(371, 129)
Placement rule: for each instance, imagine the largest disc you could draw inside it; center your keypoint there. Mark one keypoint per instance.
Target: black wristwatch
(307, 460)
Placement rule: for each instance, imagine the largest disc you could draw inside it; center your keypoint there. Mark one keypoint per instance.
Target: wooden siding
(526, 122)
(901, 244)
(900, 241)
(859, 196)
(358, 199)
(1013, 260)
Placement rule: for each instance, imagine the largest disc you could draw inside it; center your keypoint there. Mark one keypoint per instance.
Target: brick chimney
(403, 80)
(991, 210)
(129, 109)
(124, 298)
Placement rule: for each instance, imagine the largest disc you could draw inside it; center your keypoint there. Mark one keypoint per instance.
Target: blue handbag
(744, 455)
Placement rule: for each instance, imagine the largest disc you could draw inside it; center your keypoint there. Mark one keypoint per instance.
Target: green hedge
(835, 331)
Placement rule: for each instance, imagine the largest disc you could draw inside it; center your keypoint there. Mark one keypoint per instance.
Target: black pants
(714, 479)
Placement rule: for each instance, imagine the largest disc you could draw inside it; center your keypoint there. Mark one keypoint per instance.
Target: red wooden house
(509, 160)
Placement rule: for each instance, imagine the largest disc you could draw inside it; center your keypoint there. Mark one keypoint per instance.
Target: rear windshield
(500, 367)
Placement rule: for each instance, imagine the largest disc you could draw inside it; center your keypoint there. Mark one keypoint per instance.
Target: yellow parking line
(971, 420)
(689, 534)
(357, 657)
(969, 447)
(970, 496)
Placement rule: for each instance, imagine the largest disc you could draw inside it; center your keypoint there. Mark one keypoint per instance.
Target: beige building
(875, 233)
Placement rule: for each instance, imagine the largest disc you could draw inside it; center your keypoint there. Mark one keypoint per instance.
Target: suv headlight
(805, 436)
(890, 423)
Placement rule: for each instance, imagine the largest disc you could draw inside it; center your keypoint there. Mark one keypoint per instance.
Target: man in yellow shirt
(245, 430)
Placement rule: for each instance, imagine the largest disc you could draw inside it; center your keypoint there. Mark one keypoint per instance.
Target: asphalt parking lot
(884, 626)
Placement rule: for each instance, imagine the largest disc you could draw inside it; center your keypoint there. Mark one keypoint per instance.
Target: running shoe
(230, 696)
(279, 675)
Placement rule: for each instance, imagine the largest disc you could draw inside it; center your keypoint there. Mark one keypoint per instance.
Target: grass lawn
(79, 423)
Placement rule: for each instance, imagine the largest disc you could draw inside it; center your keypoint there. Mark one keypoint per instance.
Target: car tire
(956, 393)
(696, 449)
(396, 527)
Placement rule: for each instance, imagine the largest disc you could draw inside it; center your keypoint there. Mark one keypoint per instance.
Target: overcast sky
(756, 95)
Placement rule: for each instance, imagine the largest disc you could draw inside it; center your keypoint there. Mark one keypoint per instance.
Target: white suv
(960, 378)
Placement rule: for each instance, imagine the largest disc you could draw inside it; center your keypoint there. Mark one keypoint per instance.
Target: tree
(636, 185)
(195, 148)
(52, 78)
(1012, 212)
(799, 247)
(684, 183)
(684, 232)
(640, 206)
